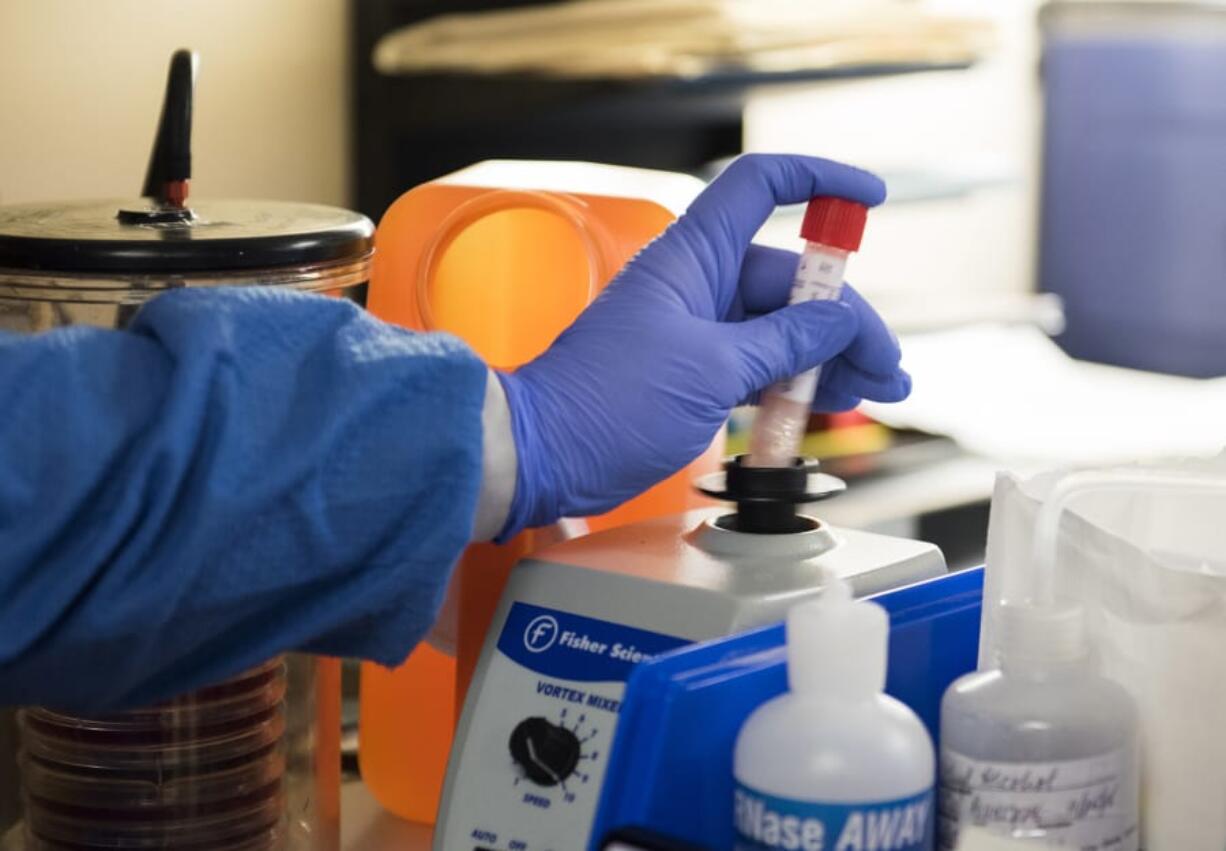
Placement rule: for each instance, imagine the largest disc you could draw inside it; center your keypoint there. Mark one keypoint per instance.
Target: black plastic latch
(766, 497)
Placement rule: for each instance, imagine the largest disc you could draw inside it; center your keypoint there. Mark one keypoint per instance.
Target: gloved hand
(695, 324)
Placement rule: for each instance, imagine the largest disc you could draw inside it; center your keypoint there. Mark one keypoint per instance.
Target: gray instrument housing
(682, 576)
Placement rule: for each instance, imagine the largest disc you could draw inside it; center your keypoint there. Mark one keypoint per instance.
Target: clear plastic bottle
(834, 763)
(1042, 747)
(832, 229)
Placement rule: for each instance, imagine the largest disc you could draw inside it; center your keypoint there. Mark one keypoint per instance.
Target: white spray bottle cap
(836, 644)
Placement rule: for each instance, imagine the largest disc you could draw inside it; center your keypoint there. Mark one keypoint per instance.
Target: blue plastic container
(670, 769)
(1133, 222)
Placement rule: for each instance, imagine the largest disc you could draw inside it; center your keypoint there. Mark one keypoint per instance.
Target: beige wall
(81, 81)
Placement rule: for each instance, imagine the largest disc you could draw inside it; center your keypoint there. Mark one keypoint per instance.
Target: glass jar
(249, 764)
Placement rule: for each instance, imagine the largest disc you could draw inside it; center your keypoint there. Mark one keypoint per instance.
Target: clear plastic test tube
(832, 229)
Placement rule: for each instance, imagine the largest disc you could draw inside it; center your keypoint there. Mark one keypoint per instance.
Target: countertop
(366, 826)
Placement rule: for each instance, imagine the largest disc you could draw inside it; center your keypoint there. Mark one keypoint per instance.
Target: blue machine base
(670, 770)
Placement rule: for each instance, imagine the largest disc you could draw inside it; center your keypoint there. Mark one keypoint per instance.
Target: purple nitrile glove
(695, 324)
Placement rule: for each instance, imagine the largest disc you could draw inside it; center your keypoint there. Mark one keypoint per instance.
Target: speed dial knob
(547, 752)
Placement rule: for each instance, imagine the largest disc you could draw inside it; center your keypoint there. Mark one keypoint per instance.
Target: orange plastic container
(505, 255)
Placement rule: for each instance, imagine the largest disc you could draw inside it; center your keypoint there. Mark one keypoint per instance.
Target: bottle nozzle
(837, 644)
(1042, 634)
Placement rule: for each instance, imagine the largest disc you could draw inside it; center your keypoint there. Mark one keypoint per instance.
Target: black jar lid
(223, 235)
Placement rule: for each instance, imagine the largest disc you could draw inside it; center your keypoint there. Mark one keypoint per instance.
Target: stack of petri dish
(203, 771)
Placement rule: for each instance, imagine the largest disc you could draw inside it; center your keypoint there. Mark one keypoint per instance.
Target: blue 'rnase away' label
(768, 823)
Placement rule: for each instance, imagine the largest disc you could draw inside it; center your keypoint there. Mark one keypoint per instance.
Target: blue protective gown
(239, 473)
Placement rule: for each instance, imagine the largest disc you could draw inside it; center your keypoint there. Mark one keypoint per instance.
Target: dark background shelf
(409, 129)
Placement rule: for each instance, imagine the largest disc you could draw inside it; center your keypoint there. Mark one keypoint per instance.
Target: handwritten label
(1088, 804)
(818, 278)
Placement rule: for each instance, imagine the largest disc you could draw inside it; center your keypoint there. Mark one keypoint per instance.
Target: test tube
(832, 229)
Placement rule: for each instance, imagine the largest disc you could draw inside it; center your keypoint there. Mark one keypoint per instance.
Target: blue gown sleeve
(239, 473)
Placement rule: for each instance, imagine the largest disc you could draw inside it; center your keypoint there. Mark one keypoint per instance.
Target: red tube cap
(836, 222)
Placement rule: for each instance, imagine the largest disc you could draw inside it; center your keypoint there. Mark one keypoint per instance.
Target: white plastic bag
(1149, 566)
